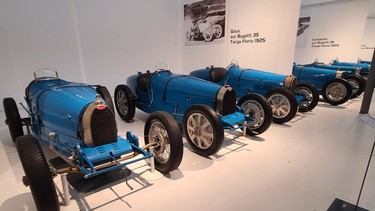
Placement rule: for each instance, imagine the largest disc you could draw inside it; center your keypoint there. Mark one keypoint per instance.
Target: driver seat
(217, 74)
(143, 81)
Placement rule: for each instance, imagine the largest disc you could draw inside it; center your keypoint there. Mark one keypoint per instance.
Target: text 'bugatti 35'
(203, 109)
(77, 123)
(281, 91)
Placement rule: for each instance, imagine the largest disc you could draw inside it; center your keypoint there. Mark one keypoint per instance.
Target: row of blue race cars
(77, 121)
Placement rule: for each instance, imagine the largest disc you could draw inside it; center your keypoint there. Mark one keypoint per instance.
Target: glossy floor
(302, 165)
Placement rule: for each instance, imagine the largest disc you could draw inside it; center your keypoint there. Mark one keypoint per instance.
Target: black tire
(311, 95)
(103, 91)
(358, 84)
(283, 103)
(364, 75)
(164, 128)
(336, 91)
(125, 103)
(13, 118)
(208, 35)
(193, 133)
(257, 107)
(218, 31)
(38, 175)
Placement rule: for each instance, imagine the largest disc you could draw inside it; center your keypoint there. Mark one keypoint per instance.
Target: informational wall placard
(258, 34)
(335, 32)
(238, 38)
(261, 33)
(368, 42)
(324, 42)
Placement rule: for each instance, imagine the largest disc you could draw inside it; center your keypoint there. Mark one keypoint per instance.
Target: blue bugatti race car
(203, 109)
(282, 92)
(76, 122)
(350, 73)
(330, 84)
(363, 65)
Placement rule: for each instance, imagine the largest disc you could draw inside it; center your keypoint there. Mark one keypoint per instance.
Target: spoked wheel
(38, 175)
(310, 94)
(336, 91)
(125, 103)
(218, 31)
(163, 129)
(208, 35)
(258, 108)
(13, 119)
(283, 103)
(358, 84)
(103, 91)
(203, 129)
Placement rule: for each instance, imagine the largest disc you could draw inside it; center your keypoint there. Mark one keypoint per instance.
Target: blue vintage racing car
(330, 84)
(350, 73)
(363, 65)
(283, 93)
(77, 123)
(203, 109)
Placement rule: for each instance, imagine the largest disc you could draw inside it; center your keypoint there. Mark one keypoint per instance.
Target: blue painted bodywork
(365, 67)
(175, 93)
(316, 76)
(57, 106)
(346, 70)
(245, 81)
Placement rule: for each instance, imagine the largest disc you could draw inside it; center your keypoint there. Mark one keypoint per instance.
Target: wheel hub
(197, 132)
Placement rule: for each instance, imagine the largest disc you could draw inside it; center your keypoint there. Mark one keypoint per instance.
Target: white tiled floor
(302, 165)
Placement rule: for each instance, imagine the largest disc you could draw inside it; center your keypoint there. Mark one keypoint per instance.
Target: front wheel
(203, 129)
(208, 35)
(258, 108)
(125, 103)
(310, 95)
(358, 84)
(163, 129)
(336, 91)
(38, 175)
(13, 119)
(283, 103)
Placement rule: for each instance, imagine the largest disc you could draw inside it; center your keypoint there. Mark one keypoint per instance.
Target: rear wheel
(283, 103)
(203, 129)
(336, 91)
(163, 129)
(125, 103)
(103, 91)
(38, 175)
(258, 108)
(358, 84)
(218, 31)
(13, 119)
(310, 94)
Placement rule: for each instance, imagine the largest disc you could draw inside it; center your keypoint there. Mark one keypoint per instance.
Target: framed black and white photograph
(204, 22)
(302, 31)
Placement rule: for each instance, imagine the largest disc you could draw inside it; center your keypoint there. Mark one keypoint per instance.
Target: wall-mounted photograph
(204, 22)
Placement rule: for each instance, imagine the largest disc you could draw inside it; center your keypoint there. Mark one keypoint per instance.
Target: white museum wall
(89, 40)
(335, 31)
(274, 21)
(368, 42)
